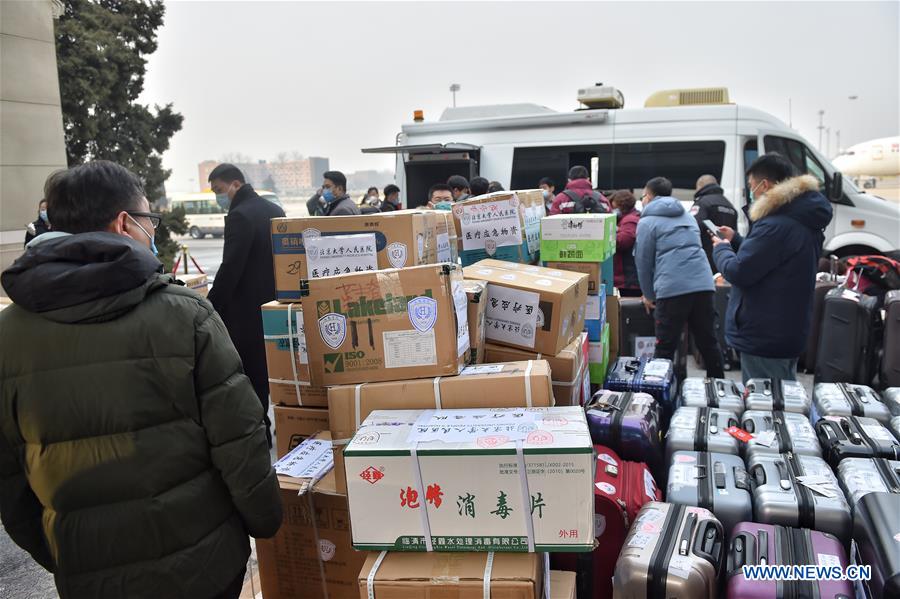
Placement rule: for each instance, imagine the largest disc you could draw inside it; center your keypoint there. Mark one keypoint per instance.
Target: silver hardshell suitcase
(859, 476)
(712, 393)
(895, 426)
(780, 498)
(793, 432)
(700, 429)
(715, 481)
(845, 399)
(891, 398)
(775, 394)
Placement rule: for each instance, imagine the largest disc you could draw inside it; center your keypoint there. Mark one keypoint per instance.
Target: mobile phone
(714, 230)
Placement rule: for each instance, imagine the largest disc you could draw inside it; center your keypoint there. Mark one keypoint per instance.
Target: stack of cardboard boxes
(504, 225)
(394, 335)
(586, 243)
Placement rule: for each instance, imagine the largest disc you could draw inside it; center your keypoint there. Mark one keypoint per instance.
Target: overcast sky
(330, 78)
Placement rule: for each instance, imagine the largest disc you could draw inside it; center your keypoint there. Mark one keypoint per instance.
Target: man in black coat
(710, 203)
(245, 280)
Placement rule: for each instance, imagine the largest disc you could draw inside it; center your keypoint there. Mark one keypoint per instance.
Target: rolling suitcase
(855, 437)
(715, 481)
(895, 427)
(628, 423)
(701, 429)
(860, 476)
(712, 393)
(769, 395)
(621, 489)
(755, 544)
(891, 398)
(780, 498)
(890, 360)
(876, 521)
(847, 341)
(792, 432)
(671, 551)
(808, 358)
(645, 375)
(844, 399)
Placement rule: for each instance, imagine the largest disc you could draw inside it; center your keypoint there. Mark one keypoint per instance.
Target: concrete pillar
(31, 130)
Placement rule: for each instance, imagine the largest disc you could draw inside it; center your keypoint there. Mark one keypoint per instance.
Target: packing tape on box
(420, 488)
(574, 382)
(485, 587)
(312, 518)
(528, 383)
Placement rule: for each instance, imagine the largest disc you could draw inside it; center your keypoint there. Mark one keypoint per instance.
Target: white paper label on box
(443, 248)
(459, 426)
(593, 307)
(595, 353)
(327, 549)
(300, 335)
(644, 347)
(533, 216)
(496, 222)
(482, 369)
(340, 254)
(403, 349)
(311, 459)
(511, 315)
(460, 303)
(572, 229)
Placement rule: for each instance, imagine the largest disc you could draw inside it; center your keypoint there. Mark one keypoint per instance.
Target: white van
(696, 134)
(204, 215)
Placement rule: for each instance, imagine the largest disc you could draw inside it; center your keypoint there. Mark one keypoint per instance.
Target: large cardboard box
(314, 538)
(562, 584)
(531, 307)
(613, 317)
(392, 240)
(595, 314)
(513, 384)
(295, 425)
(476, 293)
(578, 237)
(568, 368)
(387, 325)
(485, 480)
(591, 269)
(445, 240)
(287, 359)
(493, 226)
(400, 575)
(599, 358)
(199, 282)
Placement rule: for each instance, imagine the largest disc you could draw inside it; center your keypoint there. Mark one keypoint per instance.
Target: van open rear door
(423, 165)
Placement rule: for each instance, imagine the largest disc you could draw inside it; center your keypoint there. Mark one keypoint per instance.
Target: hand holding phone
(712, 229)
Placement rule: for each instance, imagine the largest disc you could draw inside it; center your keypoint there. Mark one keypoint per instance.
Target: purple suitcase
(759, 544)
(629, 424)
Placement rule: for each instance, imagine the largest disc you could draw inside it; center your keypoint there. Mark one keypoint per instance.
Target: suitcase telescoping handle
(709, 540)
(741, 552)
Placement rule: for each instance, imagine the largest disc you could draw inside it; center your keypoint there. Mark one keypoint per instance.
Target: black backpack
(589, 204)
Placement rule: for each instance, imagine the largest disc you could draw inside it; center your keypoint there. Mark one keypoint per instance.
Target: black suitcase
(890, 361)
(855, 437)
(808, 358)
(636, 328)
(876, 521)
(847, 341)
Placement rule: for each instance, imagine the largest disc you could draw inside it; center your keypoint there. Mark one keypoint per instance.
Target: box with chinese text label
(503, 479)
(400, 575)
(578, 237)
(345, 244)
(386, 325)
(513, 384)
(289, 383)
(531, 307)
(493, 226)
(477, 295)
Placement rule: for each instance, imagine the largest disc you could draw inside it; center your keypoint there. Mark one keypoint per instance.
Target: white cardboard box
(451, 477)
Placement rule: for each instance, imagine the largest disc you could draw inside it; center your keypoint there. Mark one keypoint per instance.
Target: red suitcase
(621, 488)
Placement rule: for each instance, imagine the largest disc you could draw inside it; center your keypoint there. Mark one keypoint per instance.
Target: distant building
(288, 177)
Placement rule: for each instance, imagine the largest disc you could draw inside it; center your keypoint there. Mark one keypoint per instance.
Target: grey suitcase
(779, 498)
(771, 395)
(895, 426)
(845, 399)
(712, 393)
(860, 476)
(670, 551)
(715, 481)
(793, 432)
(891, 398)
(700, 429)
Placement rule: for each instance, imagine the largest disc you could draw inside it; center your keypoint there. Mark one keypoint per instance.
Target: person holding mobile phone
(711, 204)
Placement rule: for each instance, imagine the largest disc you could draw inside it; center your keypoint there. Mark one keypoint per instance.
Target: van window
(623, 166)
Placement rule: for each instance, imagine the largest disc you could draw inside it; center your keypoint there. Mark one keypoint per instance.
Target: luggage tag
(819, 484)
(765, 438)
(739, 434)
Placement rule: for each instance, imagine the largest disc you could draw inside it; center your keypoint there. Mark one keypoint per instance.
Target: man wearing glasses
(133, 454)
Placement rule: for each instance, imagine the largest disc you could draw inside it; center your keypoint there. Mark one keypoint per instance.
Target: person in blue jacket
(674, 275)
(773, 270)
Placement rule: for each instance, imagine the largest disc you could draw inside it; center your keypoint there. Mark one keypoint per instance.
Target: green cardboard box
(578, 237)
(598, 357)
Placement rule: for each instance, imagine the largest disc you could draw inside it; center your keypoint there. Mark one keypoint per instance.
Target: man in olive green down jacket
(133, 458)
